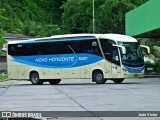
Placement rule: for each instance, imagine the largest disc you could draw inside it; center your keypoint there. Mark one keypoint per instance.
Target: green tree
(154, 44)
(32, 17)
(109, 15)
(52, 8)
(71, 16)
(2, 41)
(77, 15)
(2, 19)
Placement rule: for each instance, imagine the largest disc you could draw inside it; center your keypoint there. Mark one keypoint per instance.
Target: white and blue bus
(99, 57)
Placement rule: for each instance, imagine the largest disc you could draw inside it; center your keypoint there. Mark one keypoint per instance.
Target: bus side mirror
(122, 47)
(148, 49)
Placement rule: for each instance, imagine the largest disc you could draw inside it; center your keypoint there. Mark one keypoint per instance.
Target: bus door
(115, 63)
(112, 65)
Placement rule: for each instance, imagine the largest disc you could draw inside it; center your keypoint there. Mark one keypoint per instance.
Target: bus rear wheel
(54, 82)
(98, 77)
(117, 81)
(34, 78)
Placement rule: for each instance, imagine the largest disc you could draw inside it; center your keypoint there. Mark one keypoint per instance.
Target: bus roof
(115, 37)
(118, 37)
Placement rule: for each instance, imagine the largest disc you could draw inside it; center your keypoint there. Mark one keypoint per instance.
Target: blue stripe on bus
(58, 61)
(134, 69)
(57, 40)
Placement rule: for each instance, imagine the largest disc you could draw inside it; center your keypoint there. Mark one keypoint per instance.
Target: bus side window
(107, 48)
(93, 48)
(84, 46)
(76, 47)
(115, 56)
(19, 50)
(29, 49)
(11, 50)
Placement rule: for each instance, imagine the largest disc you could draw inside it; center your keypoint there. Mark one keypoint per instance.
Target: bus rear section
(54, 59)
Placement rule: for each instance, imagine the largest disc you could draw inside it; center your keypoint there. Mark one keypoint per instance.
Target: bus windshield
(133, 56)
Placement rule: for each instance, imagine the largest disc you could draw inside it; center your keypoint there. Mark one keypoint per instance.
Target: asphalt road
(82, 95)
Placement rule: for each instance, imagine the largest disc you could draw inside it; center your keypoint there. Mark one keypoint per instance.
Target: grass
(3, 119)
(3, 78)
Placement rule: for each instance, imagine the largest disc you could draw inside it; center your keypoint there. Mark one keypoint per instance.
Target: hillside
(39, 18)
(31, 17)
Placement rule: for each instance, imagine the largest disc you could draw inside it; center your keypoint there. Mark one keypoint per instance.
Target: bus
(99, 57)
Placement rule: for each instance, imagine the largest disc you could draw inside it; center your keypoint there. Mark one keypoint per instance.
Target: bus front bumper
(133, 75)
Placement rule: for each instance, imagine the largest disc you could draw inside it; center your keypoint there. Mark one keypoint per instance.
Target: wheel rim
(35, 78)
(99, 77)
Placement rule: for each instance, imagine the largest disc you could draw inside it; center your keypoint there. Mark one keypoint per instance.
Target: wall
(3, 64)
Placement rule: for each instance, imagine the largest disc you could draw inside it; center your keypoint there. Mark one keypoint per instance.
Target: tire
(34, 78)
(117, 81)
(55, 81)
(98, 77)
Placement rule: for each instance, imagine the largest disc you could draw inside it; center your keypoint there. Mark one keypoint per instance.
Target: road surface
(82, 95)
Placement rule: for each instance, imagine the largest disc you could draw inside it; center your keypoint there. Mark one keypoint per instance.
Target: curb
(4, 80)
(151, 76)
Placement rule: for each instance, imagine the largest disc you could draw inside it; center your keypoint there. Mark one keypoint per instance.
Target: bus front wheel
(34, 78)
(118, 81)
(98, 77)
(54, 82)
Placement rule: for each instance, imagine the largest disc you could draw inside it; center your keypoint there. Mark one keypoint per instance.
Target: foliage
(157, 63)
(109, 15)
(2, 41)
(149, 64)
(154, 44)
(156, 51)
(34, 29)
(80, 17)
(45, 17)
(2, 78)
(155, 67)
(3, 118)
(2, 20)
(29, 16)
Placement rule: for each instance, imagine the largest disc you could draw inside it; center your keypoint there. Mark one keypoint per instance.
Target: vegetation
(149, 64)
(32, 17)
(40, 18)
(50, 17)
(154, 45)
(155, 67)
(2, 41)
(109, 15)
(2, 78)
(3, 118)
(2, 20)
